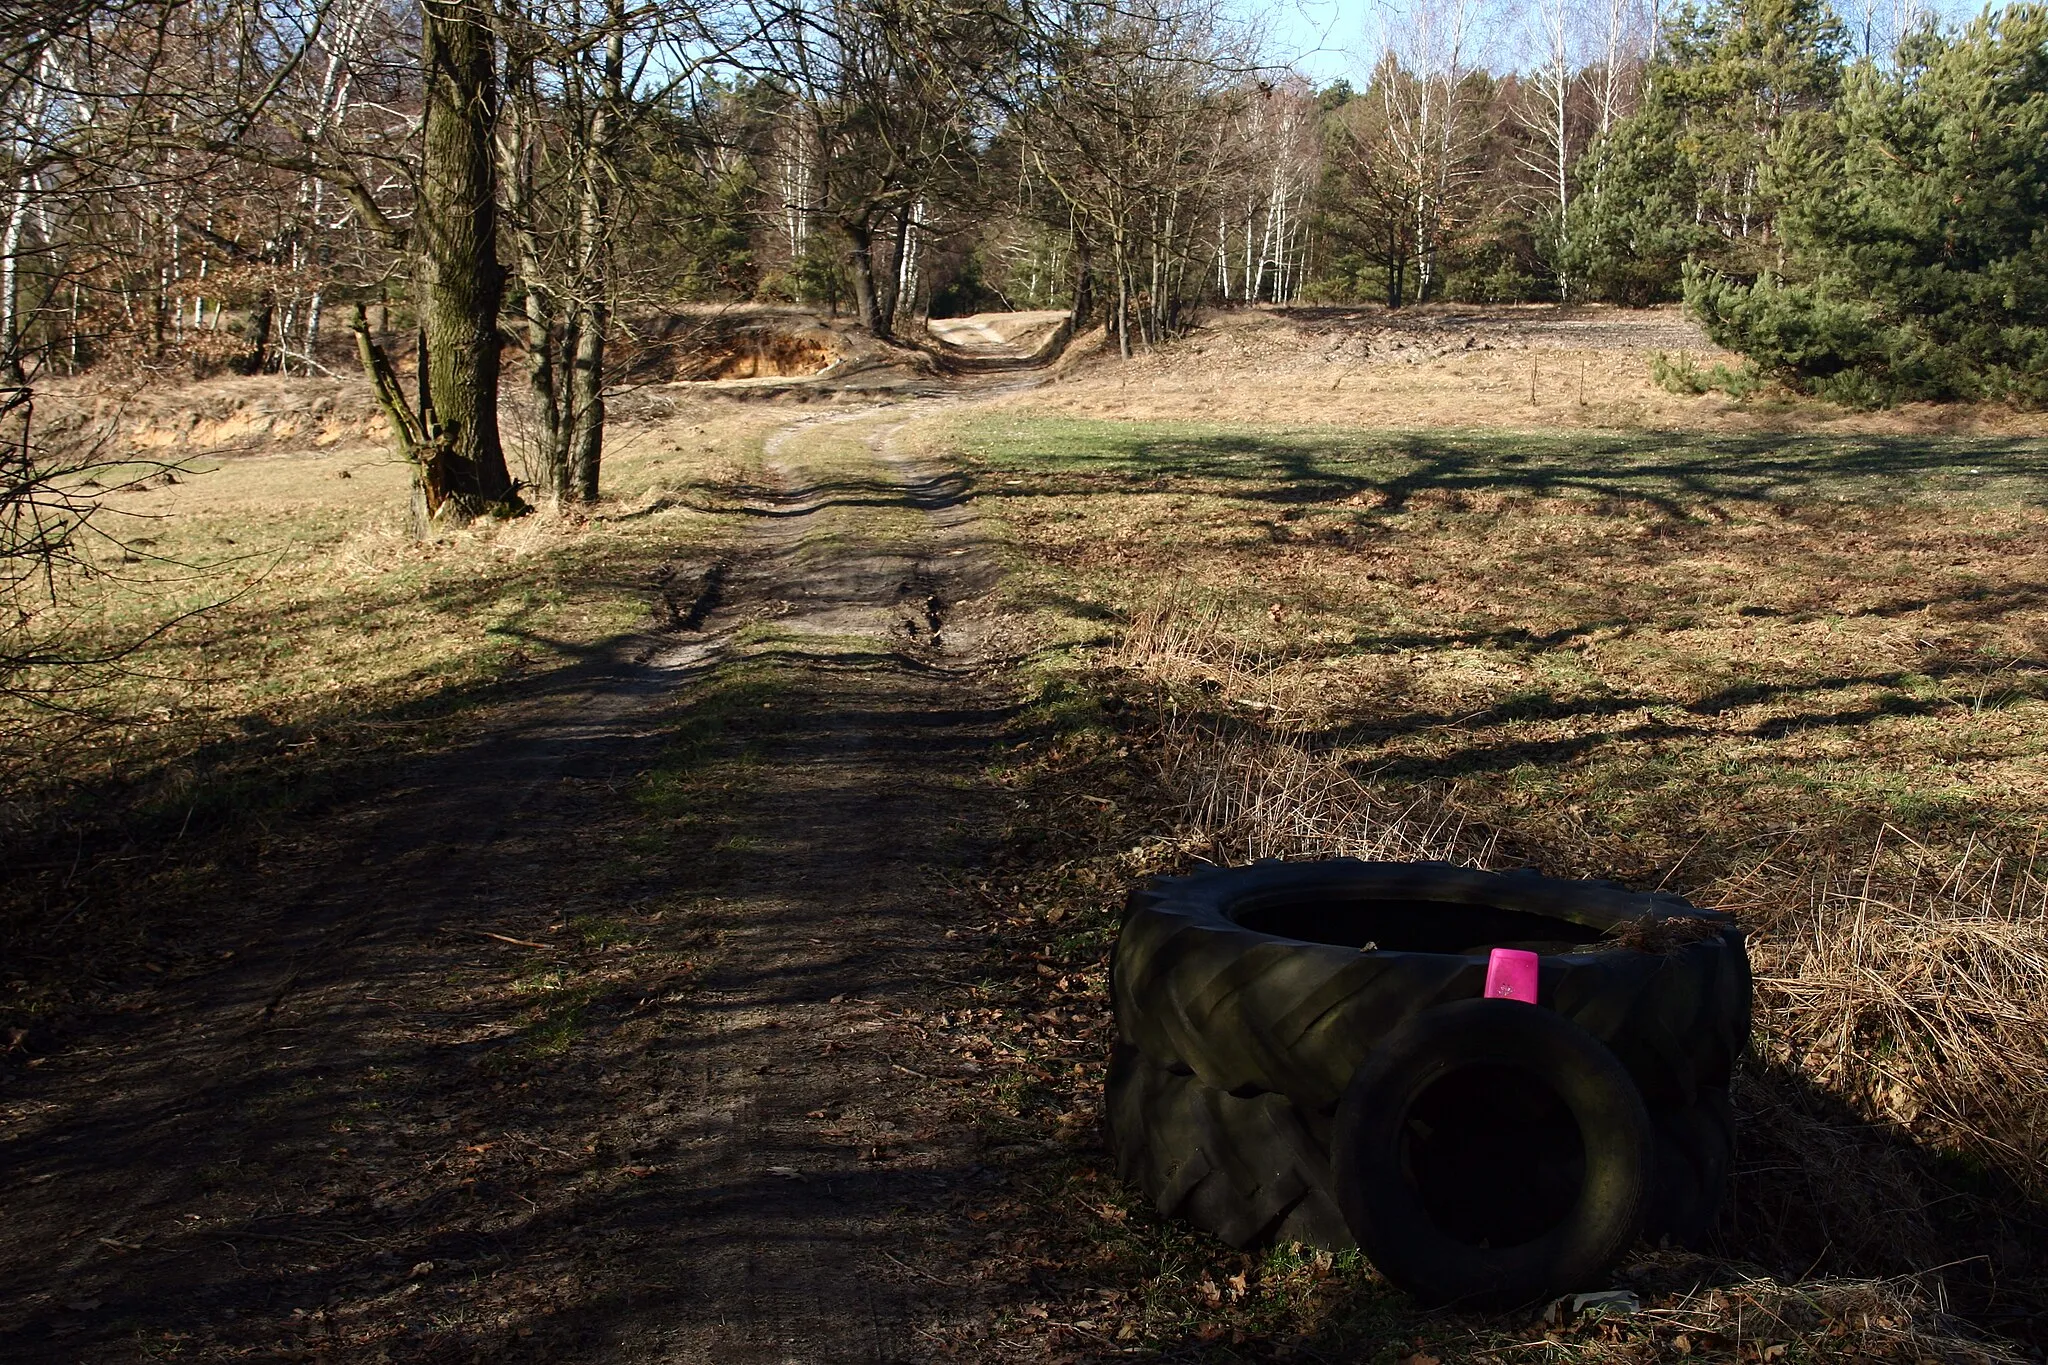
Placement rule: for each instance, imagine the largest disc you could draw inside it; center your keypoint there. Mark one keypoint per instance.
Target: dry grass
(1170, 780)
(1910, 983)
(315, 639)
(1458, 366)
(1798, 680)
(1758, 1319)
(1248, 789)
(1907, 983)
(1914, 985)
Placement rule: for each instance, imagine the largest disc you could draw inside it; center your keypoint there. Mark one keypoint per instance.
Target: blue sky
(1326, 39)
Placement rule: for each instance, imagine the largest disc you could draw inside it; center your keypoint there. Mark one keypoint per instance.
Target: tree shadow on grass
(1819, 1189)
(112, 873)
(1679, 473)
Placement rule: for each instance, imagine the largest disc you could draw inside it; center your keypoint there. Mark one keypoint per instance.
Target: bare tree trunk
(860, 254)
(586, 394)
(10, 282)
(586, 390)
(549, 461)
(1123, 299)
(1546, 113)
(462, 472)
(1084, 282)
(889, 280)
(256, 358)
(909, 250)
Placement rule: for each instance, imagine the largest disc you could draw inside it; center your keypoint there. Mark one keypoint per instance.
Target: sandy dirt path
(518, 1061)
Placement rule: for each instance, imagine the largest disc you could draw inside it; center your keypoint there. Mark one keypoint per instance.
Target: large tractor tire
(1491, 1155)
(1252, 1171)
(1283, 977)
(1250, 1001)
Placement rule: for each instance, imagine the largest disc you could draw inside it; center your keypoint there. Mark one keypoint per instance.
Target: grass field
(314, 642)
(1804, 679)
(1625, 649)
(1800, 675)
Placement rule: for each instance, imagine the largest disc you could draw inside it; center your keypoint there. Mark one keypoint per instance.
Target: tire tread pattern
(1250, 1013)
(1252, 1171)
(1234, 1046)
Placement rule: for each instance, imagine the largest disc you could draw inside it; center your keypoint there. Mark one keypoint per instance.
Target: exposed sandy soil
(1010, 334)
(220, 416)
(747, 353)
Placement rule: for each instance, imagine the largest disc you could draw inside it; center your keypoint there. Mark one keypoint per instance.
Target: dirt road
(582, 1041)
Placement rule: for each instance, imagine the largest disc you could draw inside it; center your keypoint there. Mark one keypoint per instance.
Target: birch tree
(1545, 113)
(1434, 127)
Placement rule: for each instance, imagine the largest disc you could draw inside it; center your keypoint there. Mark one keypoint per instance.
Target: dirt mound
(733, 344)
(757, 355)
(764, 351)
(211, 416)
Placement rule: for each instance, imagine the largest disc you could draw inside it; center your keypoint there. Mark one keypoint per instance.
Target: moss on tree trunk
(460, 282)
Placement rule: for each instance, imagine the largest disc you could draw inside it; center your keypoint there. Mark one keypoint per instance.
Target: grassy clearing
(323, 641)
(1627, 650)
(1803, 679)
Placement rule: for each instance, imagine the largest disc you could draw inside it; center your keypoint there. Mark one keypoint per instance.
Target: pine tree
(1915, 224)
(1685, 177)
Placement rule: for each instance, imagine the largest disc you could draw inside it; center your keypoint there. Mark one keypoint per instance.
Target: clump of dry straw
(1901, 993)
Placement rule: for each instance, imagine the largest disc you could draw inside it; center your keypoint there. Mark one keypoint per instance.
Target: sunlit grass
(1628, 648)
(1803, 679)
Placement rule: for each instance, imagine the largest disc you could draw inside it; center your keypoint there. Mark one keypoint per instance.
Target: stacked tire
(1304, 1054)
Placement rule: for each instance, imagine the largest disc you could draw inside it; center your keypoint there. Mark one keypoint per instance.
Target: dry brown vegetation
(1502, 366)
(1790, 666)
(1797, 677)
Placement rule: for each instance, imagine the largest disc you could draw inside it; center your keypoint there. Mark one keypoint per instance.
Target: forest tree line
(1858, 203)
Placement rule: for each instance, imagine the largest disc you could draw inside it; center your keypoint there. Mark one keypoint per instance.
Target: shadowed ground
(573, 1045)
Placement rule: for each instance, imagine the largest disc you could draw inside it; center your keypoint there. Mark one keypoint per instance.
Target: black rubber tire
(1378, 1140)
(1695, 1152)
(1252, 1171)
(1256, 1171)
(1249, 1009)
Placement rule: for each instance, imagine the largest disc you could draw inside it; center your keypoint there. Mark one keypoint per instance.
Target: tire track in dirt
(195, 1174)
(828, 931)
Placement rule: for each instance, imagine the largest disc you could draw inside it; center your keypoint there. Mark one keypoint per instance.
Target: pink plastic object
(1511, 975)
